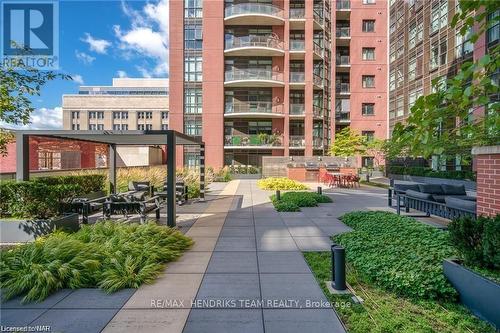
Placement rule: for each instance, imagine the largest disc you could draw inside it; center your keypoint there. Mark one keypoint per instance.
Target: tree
(447, 121)
(347, 143)
(17, 85)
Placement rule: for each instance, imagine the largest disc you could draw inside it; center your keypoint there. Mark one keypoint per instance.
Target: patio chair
(135, 203)
(85, 204)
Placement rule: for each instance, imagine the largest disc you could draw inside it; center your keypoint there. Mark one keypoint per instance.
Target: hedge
(428, 172)
(292, 201)
(280, 183)
(88, 183)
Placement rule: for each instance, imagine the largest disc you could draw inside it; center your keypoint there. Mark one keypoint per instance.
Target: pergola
(113, 139)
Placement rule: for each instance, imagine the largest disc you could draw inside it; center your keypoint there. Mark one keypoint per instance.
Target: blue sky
(99, 40)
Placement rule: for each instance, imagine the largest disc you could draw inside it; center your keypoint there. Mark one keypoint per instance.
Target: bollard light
(278, 195)
(320, 190)
(338, 268)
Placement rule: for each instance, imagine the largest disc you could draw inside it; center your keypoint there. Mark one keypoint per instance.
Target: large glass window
(368, 109)
(438, 52)
(400, 106)
(192, 127)
(493, 33)
(368, 53)
(368, 25)
(193, 36)
(392, 80)
(413, 96)
(439, 15)
(368, 81)
(192, 100)
(415, 33)
(193, 8)
(193, 68)
(463, 45)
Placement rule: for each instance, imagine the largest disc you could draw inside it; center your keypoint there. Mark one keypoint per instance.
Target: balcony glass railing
(343, 32)
(253, 8)
(297, 141)
(297, 109)
(318, 49)
(341, 60)
(317, 142)
(297, 45)
(342, 88)
(317, 111)
(317, 80)
(237, 74)
(254, 41)
(297, 13)
(297, 77)
(342, 116)
(253, 107)
(343, 4)
(318, 15)
(249, 140)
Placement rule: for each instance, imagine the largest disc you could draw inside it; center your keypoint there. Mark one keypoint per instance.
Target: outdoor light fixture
(338, 267)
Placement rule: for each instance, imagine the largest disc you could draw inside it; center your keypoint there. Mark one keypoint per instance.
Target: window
(117, 115)
(368, 109)
(368, 2)
(392, 111)
(149, 115)
(413, 96)
(463, 44)
(367, 161)
(368, 25)
(124, 114)
(400, 46)
(368, 53)
(140, 127)
(400, 106)
(124, 127)
(412, 69)
(392, 51)
(193, 36)
(100, 127)
(93, 127)
(75, 127)
(92, 115)
(493, 33)
(368, 81)
(193, 100)
(75, 115)
(140, 115)
(438, 53)
(369, 136)
(96, 115)
(192, 127)
(439, 16)
(164, 115)
(193, 68)
(439, 84)
(149, 127)
(164, 127)
(193, 9)
(399, 76)
(392, 80)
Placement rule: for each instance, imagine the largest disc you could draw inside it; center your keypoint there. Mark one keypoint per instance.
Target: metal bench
(430, 208)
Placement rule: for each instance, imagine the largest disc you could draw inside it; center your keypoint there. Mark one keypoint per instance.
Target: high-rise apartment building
(129, 104)
(257, 78)
(424, 47)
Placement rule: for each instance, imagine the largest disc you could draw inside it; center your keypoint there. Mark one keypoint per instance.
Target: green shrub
(280, 183)
(398, 253)
(107, 255)
(88, 183)
(477, 241)
(292, 201)
(428, 172)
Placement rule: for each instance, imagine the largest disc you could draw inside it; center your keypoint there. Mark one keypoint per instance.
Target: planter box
(23, 231)
(479, 294)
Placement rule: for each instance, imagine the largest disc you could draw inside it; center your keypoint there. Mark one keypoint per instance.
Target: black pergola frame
(170, 138)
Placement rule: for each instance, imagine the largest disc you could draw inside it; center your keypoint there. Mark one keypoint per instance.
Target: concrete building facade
(276, 77)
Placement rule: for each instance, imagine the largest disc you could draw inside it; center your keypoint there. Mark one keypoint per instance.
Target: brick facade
(487, 165)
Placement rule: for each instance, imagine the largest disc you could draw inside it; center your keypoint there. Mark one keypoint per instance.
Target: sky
(100, 40)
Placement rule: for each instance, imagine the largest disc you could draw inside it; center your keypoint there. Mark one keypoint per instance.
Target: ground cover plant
(108, 255)
(399, 254)
(292, 201)
(383, 311)
(280, 183)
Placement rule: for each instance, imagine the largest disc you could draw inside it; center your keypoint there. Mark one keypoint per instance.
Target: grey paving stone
(298, 221)
(298, 287)
(233, 262)
(335, 230)
(150, 321)
(285, 215)
(271, 231)
(282, 262)
(268, 221)
(235, 244)
(317, 212)
(302, 320)
(92, 298)
(313, 243)
(276, 244)
(19, 317)
(238, 222)
(229, 287)
(77, 321)
(326, 221)
(240, 213)
(219, 321)
(202, 244)
(49, 302)
(305, 231)
(237, 231)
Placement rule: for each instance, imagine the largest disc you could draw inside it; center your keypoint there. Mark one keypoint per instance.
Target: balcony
(257, 141)
(297, 49)
(253, 110)
(297, 18)
(343, 88)
(343, 8)
(317, 82)
(297, 142)
(343, 63)
(297, 110)
(342, 117)
(297, 79)
(317, 142)
(253, 13)
(254, 46)
(318, 51)
(318, 19)
(253, 77)
(317, 111)
(343, 35)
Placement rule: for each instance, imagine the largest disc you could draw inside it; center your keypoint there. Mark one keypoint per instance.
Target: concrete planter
(23, 231)
(468, 184)
(479, 294)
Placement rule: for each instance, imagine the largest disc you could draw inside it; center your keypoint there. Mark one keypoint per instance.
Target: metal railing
(297, 109)
(318, 16)
(317, 111)
(343, 32)
(317, 80)
(297, 141)
(246, 140)
(342, 60)
(317, 142)
(253, 107)
(318, 49)
(343, 4)
(237, 74)
(254, 41)
(342, 88)
(297, 77)
(297, 13)
(342, 116)
(252, 8)
(297, 45)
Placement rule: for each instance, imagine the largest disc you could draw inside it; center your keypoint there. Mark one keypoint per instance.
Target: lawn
(384, 312)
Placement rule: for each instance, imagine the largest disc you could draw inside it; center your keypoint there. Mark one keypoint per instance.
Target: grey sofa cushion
(454, 189)
(431, 188)
(438, 198)
(405, 187)
(463, 197)
(460, 204)
(419, 195)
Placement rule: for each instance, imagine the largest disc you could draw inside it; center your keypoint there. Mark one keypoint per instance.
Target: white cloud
(96, 45)
(42, 118)
(77, 78)
(84, 57)
(147, 37)
(121, 73)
